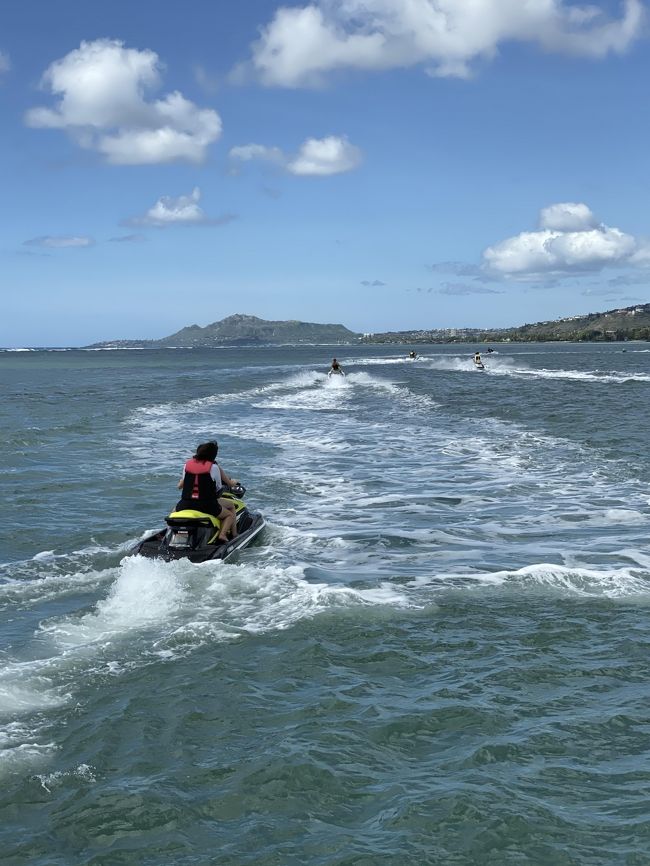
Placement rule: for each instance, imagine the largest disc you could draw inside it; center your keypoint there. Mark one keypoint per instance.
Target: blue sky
(385, 164)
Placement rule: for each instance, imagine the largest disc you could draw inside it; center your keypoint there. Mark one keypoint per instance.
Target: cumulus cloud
(569, 240)
(302, 44)
(331, 155)
(100, 89)
(182, 210)
(60, 241)
(377, 283)
(316, 156)
(567, 217)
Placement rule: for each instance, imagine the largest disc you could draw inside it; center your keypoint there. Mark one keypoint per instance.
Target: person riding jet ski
(335, 369)
(210, 509)
(202, 481)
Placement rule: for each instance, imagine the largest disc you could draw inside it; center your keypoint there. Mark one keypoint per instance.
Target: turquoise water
(436, 654)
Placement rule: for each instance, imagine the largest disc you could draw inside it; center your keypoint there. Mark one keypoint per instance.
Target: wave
(390, 361)
(40, 349)
(627, 583)
(152, 611)
(511, 367)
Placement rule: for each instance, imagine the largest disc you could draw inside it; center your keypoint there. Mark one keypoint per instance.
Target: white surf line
(615, 583)
(600, 377)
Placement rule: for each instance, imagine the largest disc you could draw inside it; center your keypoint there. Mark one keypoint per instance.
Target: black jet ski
(193, 534)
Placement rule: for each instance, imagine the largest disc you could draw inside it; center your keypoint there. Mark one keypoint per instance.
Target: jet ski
(338, 372)
(478, 361)
(193, 534)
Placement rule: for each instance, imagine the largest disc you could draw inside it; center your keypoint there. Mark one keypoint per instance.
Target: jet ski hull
(196, 540)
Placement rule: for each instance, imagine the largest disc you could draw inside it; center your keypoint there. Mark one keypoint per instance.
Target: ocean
(437, 652)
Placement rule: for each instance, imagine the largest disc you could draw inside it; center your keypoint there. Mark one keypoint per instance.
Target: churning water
(437, 653)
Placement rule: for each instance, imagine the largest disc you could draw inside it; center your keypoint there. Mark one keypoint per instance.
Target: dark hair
(207, 451)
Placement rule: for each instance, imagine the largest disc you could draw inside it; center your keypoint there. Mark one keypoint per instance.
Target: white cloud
(317, 156)
(248, 152)
(641, 256)
(59, 241)
(304, 43)
(567, 217)
(331, 155)
(569, 240)
(183, 210)
(101, 90)
(5, 63)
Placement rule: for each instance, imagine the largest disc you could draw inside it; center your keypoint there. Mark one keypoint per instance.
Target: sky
(383, 164)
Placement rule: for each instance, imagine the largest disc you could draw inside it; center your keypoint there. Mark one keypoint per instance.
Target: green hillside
(248, 330)
(626, 323)
(240, 330)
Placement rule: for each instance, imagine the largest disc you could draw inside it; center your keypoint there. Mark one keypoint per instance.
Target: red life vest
(197, 483)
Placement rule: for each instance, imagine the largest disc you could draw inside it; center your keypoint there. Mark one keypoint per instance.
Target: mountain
(626, 323)
(240, 330)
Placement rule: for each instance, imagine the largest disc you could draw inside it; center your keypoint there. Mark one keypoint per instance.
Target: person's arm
(182, 481)
(227, 480)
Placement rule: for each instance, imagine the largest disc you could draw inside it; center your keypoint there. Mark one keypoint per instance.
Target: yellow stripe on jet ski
(190, 514)
(238, 503)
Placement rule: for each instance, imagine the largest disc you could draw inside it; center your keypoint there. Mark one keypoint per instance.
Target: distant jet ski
(335, 369)
(193, 534)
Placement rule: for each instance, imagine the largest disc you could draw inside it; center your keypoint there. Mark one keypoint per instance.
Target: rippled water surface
(437, 653)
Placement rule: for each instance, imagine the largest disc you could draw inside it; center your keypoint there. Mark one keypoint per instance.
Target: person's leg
(227, 519)
(229, 505)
